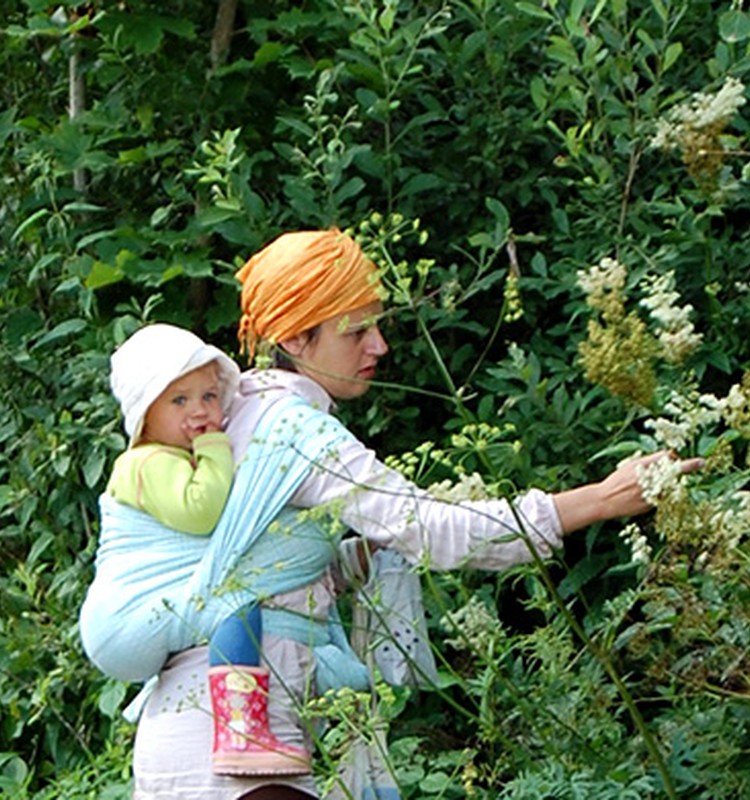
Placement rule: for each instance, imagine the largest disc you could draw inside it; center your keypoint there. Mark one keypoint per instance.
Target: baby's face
(189, 406)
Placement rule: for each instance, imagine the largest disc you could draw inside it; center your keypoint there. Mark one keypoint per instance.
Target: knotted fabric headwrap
(298, 281)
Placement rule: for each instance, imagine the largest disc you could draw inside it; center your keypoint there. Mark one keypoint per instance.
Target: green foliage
(486, 152)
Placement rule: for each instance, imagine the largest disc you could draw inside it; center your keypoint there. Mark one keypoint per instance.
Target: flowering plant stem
(600, 655)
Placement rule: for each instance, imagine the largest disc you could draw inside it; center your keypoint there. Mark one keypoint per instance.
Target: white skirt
(172, 758)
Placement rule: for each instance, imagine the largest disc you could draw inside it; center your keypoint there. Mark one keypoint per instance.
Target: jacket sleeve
(183, 491)
(386, 508)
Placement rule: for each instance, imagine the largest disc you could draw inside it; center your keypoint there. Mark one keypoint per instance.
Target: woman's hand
(618, 495)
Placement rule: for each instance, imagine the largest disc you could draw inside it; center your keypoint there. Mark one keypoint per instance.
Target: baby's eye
(179, 400)
(210, 397)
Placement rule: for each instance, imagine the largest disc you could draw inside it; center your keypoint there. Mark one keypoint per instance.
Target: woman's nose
(376, 343)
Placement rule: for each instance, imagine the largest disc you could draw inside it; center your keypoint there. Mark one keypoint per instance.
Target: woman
(313, 298)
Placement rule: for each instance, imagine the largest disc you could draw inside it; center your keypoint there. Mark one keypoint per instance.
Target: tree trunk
(223, 30)
(76, 104)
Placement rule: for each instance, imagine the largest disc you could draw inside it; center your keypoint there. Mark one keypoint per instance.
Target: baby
(174, 390)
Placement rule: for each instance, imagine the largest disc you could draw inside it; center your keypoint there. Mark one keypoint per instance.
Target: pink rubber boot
(243, 742)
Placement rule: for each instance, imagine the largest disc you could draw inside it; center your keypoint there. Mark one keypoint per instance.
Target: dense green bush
(521, 136)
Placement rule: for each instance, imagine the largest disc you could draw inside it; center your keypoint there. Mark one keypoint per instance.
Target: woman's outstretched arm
(618, 495)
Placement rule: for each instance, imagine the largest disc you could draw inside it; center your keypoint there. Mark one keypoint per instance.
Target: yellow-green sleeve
(185, 491)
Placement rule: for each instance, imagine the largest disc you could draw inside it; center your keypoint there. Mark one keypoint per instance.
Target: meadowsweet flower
(621, 357)
(619, 352)
(640, 550)
(468, 487)
(701, 410)
(675, 332)
(601, 281)
(731, 522)
(695, 128)
(736, 409)
(674, 435)
(705, 110)
(691, 412)
(659, 479)
(474, 627)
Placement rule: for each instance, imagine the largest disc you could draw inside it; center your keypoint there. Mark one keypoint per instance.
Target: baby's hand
(193, 430)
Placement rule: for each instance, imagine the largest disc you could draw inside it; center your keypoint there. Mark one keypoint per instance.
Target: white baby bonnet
(146, 363)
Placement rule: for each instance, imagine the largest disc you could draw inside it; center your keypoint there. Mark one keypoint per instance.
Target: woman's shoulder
(266, 398)
(270, 385)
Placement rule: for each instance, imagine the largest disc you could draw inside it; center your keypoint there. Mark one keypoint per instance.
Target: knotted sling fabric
(299, 280)
(158, 591)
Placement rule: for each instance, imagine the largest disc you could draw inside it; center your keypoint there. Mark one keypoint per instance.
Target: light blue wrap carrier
(158, 591)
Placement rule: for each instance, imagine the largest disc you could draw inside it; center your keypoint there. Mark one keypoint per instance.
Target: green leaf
(6, 496)
(734, 25)
(562, 50)
(350, 189)
(424, 182)
(562, 222)
(111, 697)
(144, 33)
(268, 53)
(6, 124)
(82, 208)
(673, 52)
(387, 18)
(533, 10)
(28, 222)
(39, 547)
(499, 212)
(580, 575)
(647, 40)
(212, 216)
(68, 328)
(621, 450)
(97, 236)
(539, 93)
(93, 468)
(15, 772)
(103, 274)
(132, 156)
(435, 782)
(660, 9)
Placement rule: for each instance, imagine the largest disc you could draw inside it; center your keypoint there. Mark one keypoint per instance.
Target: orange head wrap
(300, 280)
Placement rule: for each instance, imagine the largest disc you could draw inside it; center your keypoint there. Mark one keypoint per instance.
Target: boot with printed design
(243, 742)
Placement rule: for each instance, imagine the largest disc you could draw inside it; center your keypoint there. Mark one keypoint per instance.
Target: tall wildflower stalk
(624, 338)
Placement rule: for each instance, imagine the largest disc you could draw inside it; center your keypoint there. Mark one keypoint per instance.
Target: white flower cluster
(474, 626)
(675, 332)
(732, 522)
(609, 275)
(468, 487)
(640, 550)
(736, 408)
(701, 112)
(660, 479)
(672, 434)
(690, 413)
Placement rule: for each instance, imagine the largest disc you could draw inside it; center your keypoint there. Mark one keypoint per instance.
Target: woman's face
(343, 354)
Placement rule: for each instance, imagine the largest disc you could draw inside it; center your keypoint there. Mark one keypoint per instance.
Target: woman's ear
(295, 345)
